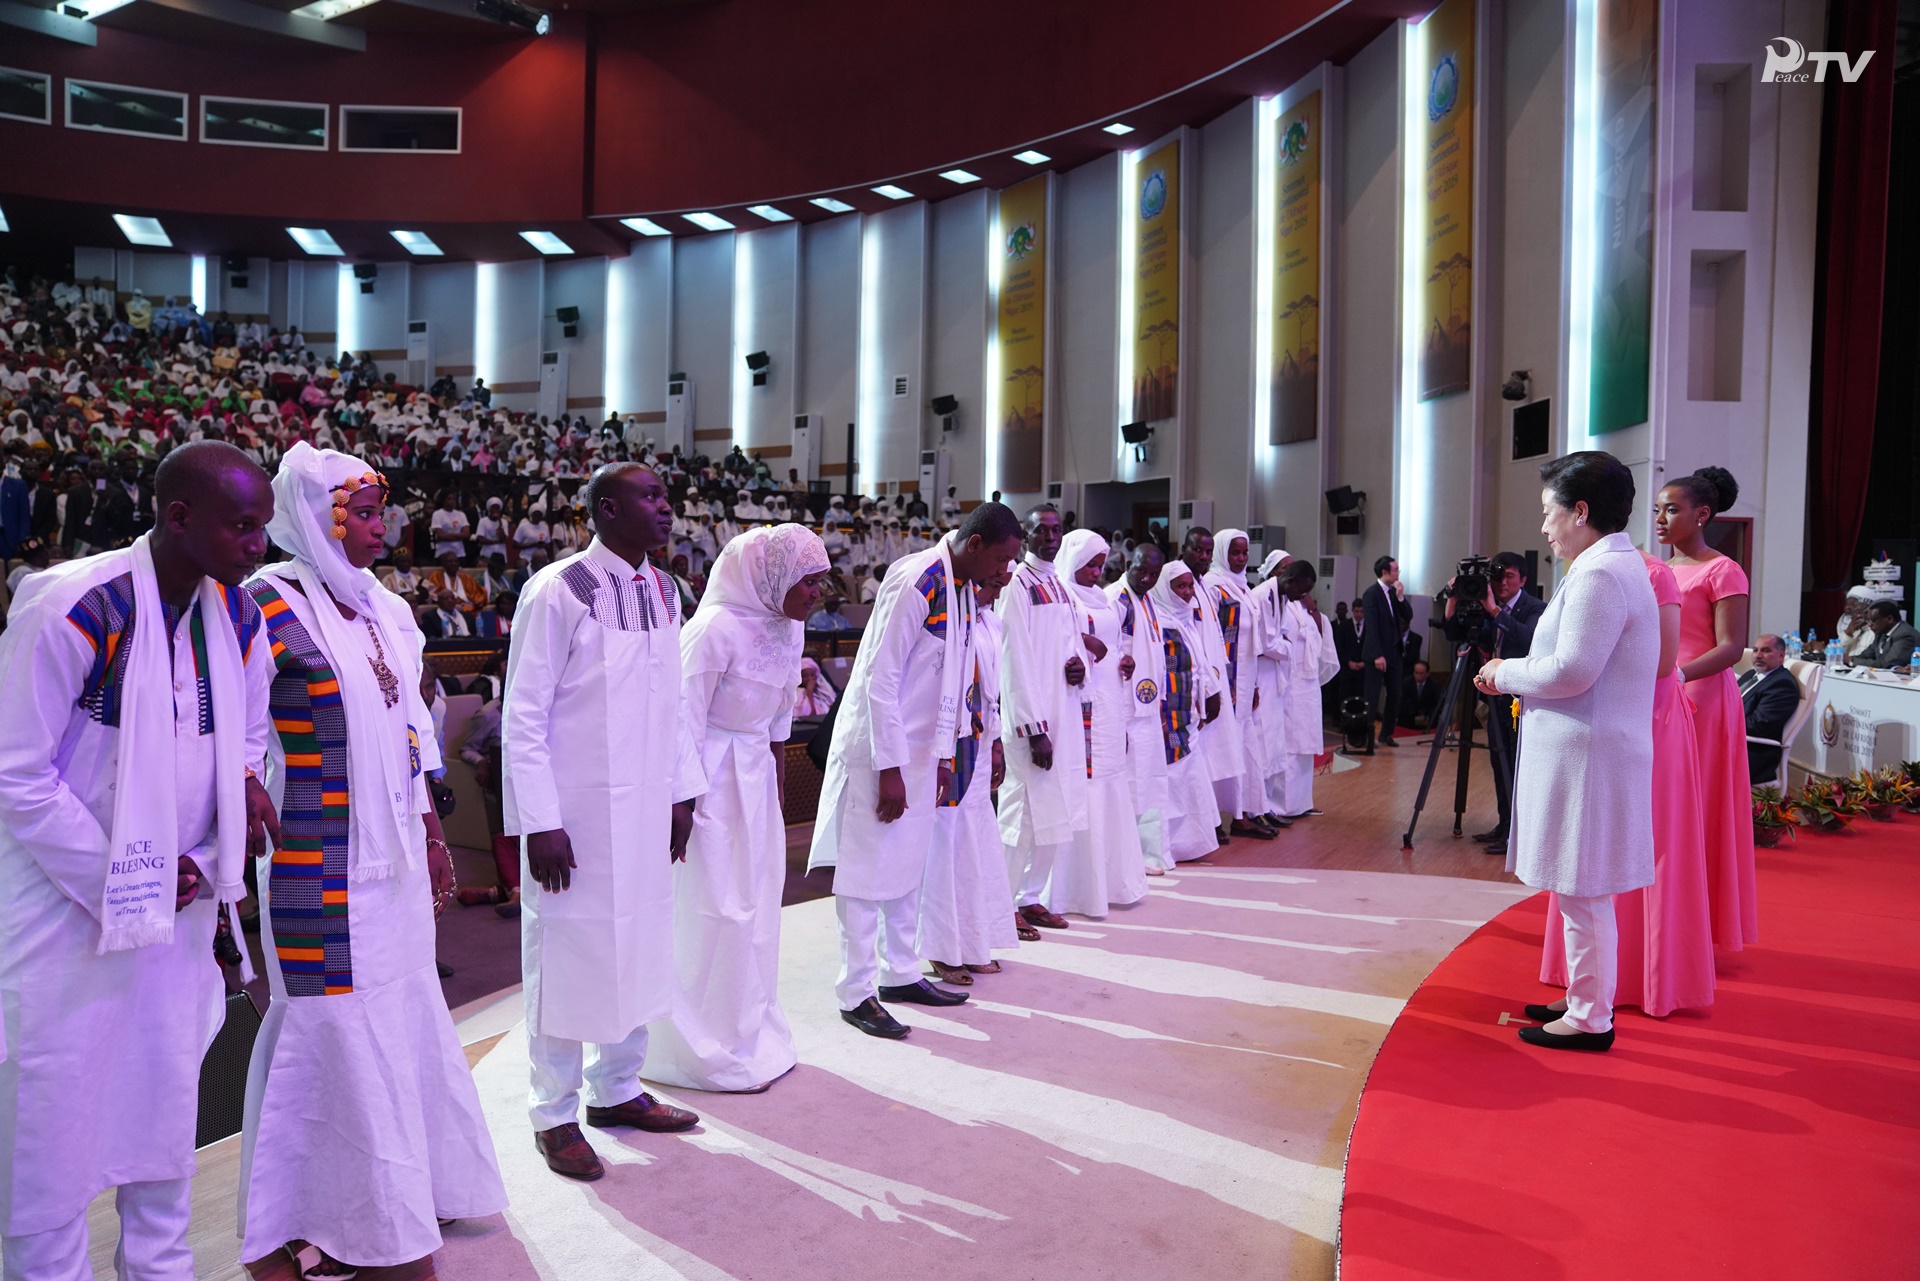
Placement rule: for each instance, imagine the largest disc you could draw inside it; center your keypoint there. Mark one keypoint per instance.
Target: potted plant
(1827, 805)
(1772, 817)
(1912, 770)
(1882, 791)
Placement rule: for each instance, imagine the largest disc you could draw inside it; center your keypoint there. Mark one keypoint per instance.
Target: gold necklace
(389, 683)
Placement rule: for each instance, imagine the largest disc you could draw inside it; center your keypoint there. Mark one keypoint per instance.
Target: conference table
(1860, 719)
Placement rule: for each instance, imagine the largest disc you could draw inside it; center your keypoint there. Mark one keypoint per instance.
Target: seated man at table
(828, 617)
(1770, 694)
(1893, 638)
(1419, 699)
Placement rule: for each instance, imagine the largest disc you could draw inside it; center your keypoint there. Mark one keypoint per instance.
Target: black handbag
(443, 798)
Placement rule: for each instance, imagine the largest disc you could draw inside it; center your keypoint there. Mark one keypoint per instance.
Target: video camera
(1472, 582)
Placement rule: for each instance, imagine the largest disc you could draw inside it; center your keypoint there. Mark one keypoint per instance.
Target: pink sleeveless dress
(1720, 733)
(1666, 937)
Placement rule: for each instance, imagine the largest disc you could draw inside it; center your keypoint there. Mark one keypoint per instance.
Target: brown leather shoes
(568, 1152)
(643, 1113)
(1038, 914)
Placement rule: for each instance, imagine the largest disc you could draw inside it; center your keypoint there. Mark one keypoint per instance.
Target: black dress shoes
(872, 1018)
(1488, 838)
(922, 993)
(1498, 849)
(1543, 1013)
(1567, 1041)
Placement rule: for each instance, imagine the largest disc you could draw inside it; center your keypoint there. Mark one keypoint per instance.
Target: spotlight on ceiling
(831, 205)
(1117, 129)
(708, 221)
(645, 226)
(513, 13)
(770, 213)
(1032, 157)
(143, 231)
(960, 175)
(892, 191)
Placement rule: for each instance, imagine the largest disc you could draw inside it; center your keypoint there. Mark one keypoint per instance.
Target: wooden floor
(1366, 811)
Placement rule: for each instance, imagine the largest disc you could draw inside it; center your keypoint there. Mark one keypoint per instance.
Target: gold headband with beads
(346, 490)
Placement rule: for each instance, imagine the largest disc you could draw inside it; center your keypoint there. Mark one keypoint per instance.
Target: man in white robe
(108, 1024)
(1146, 736)
(1301, 652)
(1217, 739)
(1240, 631)
(600, 770)
(900, 718)
(1041, 671)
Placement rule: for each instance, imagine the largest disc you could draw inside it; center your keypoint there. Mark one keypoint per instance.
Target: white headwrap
(1176, 615)
(1076, 550)
(310, 484)
(740, 628)
(1272, 562)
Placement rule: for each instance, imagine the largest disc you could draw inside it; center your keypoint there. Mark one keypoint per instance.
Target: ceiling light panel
(1031, 157)
(1117, 129)
(546, 242)
(418, 243)
(708, 221)
(328, 10)
(831, 205)
(316, 241)
(770, 213)
(891, 192)
(960, 175)
(144, 231)
(645, 226)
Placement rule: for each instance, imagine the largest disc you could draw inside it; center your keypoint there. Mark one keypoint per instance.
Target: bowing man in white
(1105, 865)
(1241, 638)
(890, 759)
(741, 660)
(1146, 742)
(1299, 657)
(1215, 733)
(1184, 627)
(1041, 674)
(599, 775)
(135, 687)
(1583, 786)
(362, 1123)
(966, 904)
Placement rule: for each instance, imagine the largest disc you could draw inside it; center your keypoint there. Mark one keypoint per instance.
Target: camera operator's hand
(1449, 595)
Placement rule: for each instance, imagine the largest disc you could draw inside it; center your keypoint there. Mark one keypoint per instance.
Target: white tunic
(1106, 865)
(1041, 632)
(100, 1086)
(728, 1031)
(593, 741)
(1217, 742)
(1583, 785)
(888, 713)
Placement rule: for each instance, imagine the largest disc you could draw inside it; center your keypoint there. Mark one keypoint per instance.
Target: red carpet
(1776, 1134)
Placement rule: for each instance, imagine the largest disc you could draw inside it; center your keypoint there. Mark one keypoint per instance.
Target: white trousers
(1593, 961)
(1153, 840)
(1030, 867)
(1290, 791)
(153, 1240)
(560, 1066)
(876, 945)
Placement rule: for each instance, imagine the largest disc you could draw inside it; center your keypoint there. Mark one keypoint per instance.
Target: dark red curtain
(1855, 153)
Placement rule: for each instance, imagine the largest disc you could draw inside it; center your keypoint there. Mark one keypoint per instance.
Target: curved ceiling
(645, 107)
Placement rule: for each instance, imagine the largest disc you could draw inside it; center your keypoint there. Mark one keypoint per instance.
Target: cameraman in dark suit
(1770, 694)
(1385, 612)
(1512, 613)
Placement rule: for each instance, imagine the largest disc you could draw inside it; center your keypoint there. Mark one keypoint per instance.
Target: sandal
(991, 967)
(954, 974)
(309, 1258)
(1028, 934)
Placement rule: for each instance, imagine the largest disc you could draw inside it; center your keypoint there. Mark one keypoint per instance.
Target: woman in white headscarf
(740, 660)
(1243, 799)
(1107, 866)
(362, 1128)
(1191, 811)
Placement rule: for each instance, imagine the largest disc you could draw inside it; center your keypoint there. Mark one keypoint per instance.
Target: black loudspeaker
(233, 264)
(1347, 524)
(1533, 429)
(223, 1073)
(236, 282)
(365, 270)
(567, 315)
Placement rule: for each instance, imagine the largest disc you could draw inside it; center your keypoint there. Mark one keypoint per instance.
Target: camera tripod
(1456, 711)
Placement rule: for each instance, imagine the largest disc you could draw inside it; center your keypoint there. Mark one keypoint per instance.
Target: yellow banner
(1022, 334)
(1156, 285)
(1296, 274)
(1446, 249)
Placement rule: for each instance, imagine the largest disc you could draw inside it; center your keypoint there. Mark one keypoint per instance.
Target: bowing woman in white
(1146, 743)
(362, 1123)
(1106, 865)
(1192, 807)
(1583, 785)
(1241, 637)
(599, 775)
(1296, 659)
(740, 659)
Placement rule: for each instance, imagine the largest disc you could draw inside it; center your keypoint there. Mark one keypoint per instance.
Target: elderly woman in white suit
(1583, 790)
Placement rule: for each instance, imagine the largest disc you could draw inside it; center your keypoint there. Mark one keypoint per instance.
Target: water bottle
(1813, 642)
(1833, 654)
(1793, 647)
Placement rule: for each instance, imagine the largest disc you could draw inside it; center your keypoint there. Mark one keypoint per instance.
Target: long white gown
(362, 1124)
(728, 1031)
(1146, 739)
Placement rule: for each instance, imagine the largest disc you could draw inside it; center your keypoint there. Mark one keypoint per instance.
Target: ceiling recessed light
(1116, 129)
(418, 243)
(328, 10)
(315, 241)
(708, 221)
(144, 231)
(892, 192)
(3, 221)
(960, 175)
(91, 9)
(770, 213)
(645, 226)
(831, 205)
(546, 242)
(1032, 157)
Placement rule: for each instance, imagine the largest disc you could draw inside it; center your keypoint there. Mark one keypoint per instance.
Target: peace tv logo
(1784, 65)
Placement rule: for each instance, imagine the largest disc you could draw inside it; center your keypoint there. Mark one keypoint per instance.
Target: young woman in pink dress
(1666, 932)
(1713, 635)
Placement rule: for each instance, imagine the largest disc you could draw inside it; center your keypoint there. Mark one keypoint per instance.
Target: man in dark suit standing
(1514, 613)
(1420, 699)
(1770, 694)
(1385, 610)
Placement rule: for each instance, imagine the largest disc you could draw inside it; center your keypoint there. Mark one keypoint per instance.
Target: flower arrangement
(1827, 806)
(1912, 770)
(1772, 817)
(1882, 791)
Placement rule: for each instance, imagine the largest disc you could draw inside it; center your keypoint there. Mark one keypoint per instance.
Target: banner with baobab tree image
(1156, 285)
(1446, 250)
(1296, 274)
(1021, 332)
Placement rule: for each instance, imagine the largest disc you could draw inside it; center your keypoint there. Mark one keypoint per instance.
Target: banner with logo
(1445, 260)
(1021, 332)
(1623, 222)
(1296, 274)
(1156, 285)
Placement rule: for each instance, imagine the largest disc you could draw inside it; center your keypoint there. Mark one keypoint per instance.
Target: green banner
(1622, 340)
